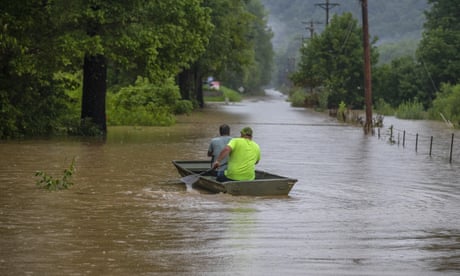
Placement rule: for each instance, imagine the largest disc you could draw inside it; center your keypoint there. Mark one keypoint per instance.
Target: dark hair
(224, 130)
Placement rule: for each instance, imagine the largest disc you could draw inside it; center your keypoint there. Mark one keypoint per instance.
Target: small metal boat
(265, 184)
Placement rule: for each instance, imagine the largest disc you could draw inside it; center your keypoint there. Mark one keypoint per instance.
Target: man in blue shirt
(217, 145)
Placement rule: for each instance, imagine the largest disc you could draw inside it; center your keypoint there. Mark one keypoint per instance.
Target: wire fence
(442, 146)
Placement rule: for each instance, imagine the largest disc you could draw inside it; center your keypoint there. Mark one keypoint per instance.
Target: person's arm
(224, 153)
(258, 156)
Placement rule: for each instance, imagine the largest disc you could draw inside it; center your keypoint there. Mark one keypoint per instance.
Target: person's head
(246, 132)
(224, 129)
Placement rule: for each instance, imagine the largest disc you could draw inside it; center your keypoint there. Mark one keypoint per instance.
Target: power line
(349, 32)
(327, 6)
(311, 26)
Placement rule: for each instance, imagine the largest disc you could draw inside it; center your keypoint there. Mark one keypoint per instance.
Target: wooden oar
(190, 179)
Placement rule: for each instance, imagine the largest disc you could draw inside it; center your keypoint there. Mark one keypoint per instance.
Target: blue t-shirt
(216, 146)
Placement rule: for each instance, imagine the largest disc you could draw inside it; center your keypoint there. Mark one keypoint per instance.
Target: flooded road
(360, 207)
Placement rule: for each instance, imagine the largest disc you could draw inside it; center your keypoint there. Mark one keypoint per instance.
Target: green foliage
(8, 113)
(31, 98)
(438, 50)
(226, 95)
(447, 104)
(183, 107)
(341, 111)
(297, 97)
(145, 103)
(142, 116)
(393, 50)
(52, 184)
(231, 95)
(333, 60)
(42, 44)
(403, 80)
(383, 108)
(256, 67)
(389, 20)
(323, 99)
(411, 110)
(239, 52)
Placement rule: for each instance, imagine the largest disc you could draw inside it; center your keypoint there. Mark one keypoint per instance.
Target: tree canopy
(51, 48)
(333, 60)
(239, 52)
(439, 48)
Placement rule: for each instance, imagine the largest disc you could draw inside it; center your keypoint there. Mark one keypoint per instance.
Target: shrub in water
(411, 110)
(297, 98)
(52, 184)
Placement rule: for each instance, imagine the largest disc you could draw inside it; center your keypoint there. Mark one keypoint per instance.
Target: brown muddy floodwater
(360, 207)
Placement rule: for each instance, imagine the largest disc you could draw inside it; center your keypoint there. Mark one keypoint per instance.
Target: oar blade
(190, 179)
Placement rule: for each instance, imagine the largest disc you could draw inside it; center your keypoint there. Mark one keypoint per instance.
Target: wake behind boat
(265, 184)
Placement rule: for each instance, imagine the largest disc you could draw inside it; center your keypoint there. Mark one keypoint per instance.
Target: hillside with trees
(418, 86)
(396, 24)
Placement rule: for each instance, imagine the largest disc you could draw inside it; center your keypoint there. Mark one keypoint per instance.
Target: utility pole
(367, 70)
(311, 28)
(327, 6)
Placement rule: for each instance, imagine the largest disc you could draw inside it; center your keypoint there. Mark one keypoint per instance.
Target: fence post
(391, 134)
(431, 144)
(404, 138)
(451, 147)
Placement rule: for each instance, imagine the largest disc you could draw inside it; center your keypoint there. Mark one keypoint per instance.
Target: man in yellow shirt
(243, 154)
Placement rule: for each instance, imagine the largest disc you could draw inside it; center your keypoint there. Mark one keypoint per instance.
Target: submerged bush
(446, 106)
(341, 112)
(226, 94)
(297, 97)
(411, 110)
(52, 184)
(147, 104)
(383, 108)
(231, 95)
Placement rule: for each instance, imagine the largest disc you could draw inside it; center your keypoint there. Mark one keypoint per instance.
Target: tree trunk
(185, 83)
(199, 88)
(94, 91)
(190, 85)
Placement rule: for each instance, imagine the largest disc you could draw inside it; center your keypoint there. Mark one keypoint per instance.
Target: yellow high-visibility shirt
(243, 158)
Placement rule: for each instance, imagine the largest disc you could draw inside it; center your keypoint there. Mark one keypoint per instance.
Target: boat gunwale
(178, 163)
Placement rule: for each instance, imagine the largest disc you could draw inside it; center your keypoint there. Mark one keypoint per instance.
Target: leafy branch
(50, 183)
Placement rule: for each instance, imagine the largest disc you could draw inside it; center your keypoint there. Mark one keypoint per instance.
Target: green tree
(257, 73)
(31, 97)
(438, 50)
(231, 52)
(106, 39)
(150, 37)
(401, 81)
(146, 104)
(447, 104)
(334, 60)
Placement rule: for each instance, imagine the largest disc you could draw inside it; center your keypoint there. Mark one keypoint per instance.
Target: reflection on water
(360, 207)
